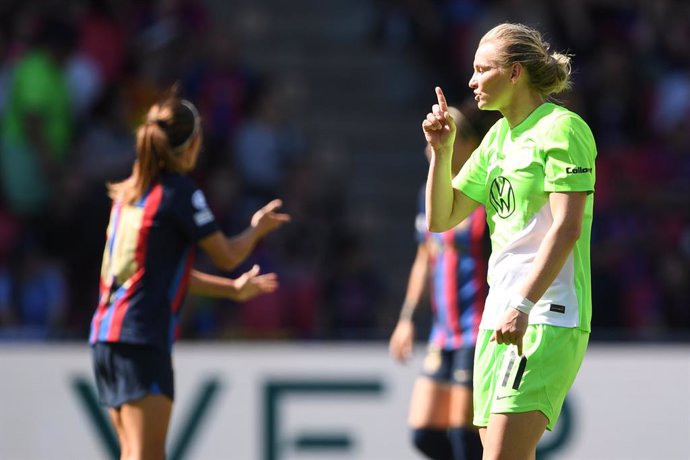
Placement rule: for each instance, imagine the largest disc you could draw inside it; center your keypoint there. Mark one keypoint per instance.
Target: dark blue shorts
(126, 372)
(451, 367)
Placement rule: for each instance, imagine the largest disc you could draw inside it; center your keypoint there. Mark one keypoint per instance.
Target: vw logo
(502, 197)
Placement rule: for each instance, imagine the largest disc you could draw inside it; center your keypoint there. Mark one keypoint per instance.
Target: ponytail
(167, 133)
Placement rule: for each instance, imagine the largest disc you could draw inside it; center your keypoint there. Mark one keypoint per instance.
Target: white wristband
(521, 304)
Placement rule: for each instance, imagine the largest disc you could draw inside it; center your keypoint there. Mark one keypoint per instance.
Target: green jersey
(512, 173)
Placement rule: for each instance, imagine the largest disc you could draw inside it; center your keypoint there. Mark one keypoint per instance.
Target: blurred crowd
(76, 77)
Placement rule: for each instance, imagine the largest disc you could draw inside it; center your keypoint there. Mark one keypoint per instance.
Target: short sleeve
(191, 212)
(569, 151)
(471, 180)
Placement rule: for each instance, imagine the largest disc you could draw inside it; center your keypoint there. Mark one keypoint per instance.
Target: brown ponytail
(170, 126)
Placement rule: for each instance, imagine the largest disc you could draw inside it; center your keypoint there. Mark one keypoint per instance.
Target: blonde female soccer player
(534, 173)
(158, 218)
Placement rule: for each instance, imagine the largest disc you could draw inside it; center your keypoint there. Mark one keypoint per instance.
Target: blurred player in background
(454, 264)
(534, 172)
(158, 217)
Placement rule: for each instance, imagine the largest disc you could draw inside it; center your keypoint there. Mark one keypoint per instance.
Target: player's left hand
(511, 329)
(267, 219)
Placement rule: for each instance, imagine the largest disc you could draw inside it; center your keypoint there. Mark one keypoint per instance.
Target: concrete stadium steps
(367, 101)
(279, 22)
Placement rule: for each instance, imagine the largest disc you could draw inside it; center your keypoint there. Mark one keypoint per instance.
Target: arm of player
(227, 253)
(568, 210)
(250, 284)
(402, 339)
(446, 207)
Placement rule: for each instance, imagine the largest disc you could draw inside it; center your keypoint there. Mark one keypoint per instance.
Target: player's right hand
(400, 346)
(511, 329)
(439, 126)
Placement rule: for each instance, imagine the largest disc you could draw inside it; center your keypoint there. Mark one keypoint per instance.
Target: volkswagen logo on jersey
(502, 197)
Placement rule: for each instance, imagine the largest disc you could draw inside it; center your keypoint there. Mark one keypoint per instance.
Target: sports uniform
(147, 260)
(458, 290)
(512, 173)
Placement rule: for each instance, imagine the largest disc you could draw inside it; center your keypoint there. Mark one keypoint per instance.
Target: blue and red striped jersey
(148, 255)
(457, 278)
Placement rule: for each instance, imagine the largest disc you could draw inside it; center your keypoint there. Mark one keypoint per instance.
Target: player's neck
(521, 107)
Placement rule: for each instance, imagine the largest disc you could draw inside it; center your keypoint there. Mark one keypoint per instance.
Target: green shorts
(505, 383)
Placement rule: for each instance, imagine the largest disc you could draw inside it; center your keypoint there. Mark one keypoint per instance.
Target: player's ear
(516, 71)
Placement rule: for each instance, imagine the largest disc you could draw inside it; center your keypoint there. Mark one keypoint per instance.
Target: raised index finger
(443, 105)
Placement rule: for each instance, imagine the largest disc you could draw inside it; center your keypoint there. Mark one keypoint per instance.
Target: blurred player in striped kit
(158, 217)
(453, 264)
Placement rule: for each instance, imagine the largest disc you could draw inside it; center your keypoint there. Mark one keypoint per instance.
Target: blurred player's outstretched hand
(267, 219)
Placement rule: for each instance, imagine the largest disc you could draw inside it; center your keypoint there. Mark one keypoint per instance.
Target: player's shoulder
(557, 117)
(178, 184)
(560, 126)
(179, 188)
(177, 180)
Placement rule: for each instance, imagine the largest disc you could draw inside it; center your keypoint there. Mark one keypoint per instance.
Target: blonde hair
(170, 127)
(548, 72)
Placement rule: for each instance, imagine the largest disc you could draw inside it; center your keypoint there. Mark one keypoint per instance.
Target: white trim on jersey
(510, 265)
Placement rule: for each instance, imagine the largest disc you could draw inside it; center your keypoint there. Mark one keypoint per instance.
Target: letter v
(181, 443)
